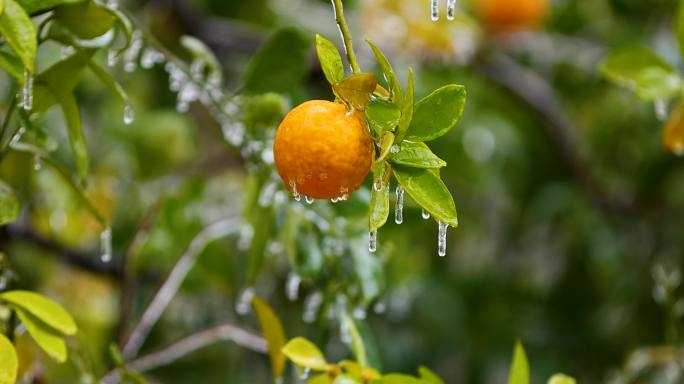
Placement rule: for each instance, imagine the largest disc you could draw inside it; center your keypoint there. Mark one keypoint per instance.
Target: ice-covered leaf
(330, 59)
(273, 333)
(356, 89)
(560, 378)
(416, 154)
(643, 71)
(19, 33)
(427, 189)
(520, 369)
(9, 363)
(9, 204)
(383, 116)
(379, 203)
(47, 338)
(46, 310)
(305, 354)
(437, 113)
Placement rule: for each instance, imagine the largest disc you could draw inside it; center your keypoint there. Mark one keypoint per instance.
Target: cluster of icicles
(450, 9)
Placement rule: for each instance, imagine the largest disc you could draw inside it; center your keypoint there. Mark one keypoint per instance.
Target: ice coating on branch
(130, 56)
(128, 114)
(399, 208)
(377, 185)
(434, 10)
(106, 245)
(425, 214)
(27, 91)
(150, 57)
(292, 286)
(451, 9)
(312, 304)
(373, 240)
(244, 301)
(17, 136)
(37, 163)
(441, 238)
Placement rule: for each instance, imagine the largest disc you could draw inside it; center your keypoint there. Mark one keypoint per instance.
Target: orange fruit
(323, 151)
(673, 135)
(512, 14)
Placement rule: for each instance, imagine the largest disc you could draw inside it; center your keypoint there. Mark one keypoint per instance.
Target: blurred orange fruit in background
(506, 15)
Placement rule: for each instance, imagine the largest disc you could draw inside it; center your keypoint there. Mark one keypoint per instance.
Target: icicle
(441, 240)
(17, 136)
(377, 185)
(399, 208)
(309, 199)
(244, 302)
(295, 194)
(425, 214)
(27, 91)
(395, 149)
(451, 9)
(660, 107)
(312, 304)
(37, 163)
(373, 240)
(334, 200)
(434, 10)
(112, 57)
(106, 245)
(292, 286)
(344, 194)
(128, 115)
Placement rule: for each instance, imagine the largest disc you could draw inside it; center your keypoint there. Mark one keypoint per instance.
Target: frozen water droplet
(244, 301)
(128, 115)
(295, 194)
(106, 245)
(660, 107)
(312, 304)
(434, 10)
(451, 9)
(377, 185)
(304, 373)
(344, 194)
(394, 148)
(359, 312)
(399, 208)
(66, 51)
(112, 57)
(308, 199)
(373, 240)
(37, 163)
(27, 91)
(292, 286)
(442, 239)
(379, 307)
(334, 200)
(246, 234)
(425, 214)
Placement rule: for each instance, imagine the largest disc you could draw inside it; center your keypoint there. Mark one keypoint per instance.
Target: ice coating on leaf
(27, 91)
(243, 304)
(373, 240)
(451, 9)
(128, 114)
(395, 149)
(106, 245)
(441, 239)
(399, 208)
(292, 286)
(434, 10)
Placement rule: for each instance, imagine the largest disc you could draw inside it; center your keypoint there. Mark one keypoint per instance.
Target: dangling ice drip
(292, 286)
(373, 240)
(434, 10)
(128, 115)
(295, 194)
(309, 199)
(399, 208)
(660, 107)
(441, 239)
(451, 9)
(27, 91)
(425, 214)
(244, 301)
(106, 245)
(344, 193)
(377, 185)
(37, 163)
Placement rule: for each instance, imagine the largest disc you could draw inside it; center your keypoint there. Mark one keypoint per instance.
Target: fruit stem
(346, 36)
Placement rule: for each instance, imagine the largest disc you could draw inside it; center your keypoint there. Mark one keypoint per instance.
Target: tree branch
(346, 36)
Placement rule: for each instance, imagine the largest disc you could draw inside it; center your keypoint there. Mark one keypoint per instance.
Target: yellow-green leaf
(406, 109)
(12, 65)
(72, 116)
(642, 70)
(19, 32)
(33, 6)
(520, 368)
(305, 354)
(428, 375)
(42, 308)
(9, 364)
(383, 116)
(322, 378)
(560, 378)
(437, 113)
(2, 6)
(357, 345)
(330, 59)
(356, 89)
(273, 333)
(417, 155)
(379, 203)
(427, 189)
(9, 204)
(86, 20)
(387, 71)
(49, 339)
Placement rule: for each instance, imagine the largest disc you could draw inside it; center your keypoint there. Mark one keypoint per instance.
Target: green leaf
(49, 339)
(19, 32)
(427, 189)
(72, 116)
(356, 89)
(86, 20)
(386, 67)
(406, 109)
(520, 369)
(108, 80)
(42, 308)
(273, 333)
(437, 113)
(9, 204)
(560, 378)
(345, 379)
(643, 71)
(9, 363)
(330, 59)
(2, 6)
(280, 64)
(382, 116)
(417, 155)
(428, 375)
(33, 6)
(379, 202)
(323, 378)
(12, 65)
(61, 77)
(357, 345)
(305, 354)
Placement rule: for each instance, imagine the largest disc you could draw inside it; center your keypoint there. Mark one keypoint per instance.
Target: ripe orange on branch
(512, 14)
(322, 150)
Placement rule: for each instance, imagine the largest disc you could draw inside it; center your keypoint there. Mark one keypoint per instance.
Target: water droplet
(359, 313)
(244, 302)
(292, 286)
(660, 108)
(113, 4)
(27, 91)
(37, 163)
(106, 245)
(344, 194)
(295, 194)
(434, 10)
(304, 373)
(377, 185)
(451, 9)
(308, 199)
(66, 51)
(246, 234)
(399, 208)
(395, 148)
(380, 307)
(128, 115)
(373, 240)
(312, 304)
(442, 238)
(112, 57)
(334, 200)
(425, 214)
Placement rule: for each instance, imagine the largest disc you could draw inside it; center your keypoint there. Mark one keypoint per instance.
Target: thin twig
(189, 344)
(173, 282)
(346, 36)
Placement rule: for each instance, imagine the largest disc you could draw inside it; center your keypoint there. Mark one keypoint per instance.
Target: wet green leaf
(520, 369)
(388, 72)
(322, 378)
(383, 116)
(428, 375)
(19, 33)
(280, 64)
(437, 113)
(357, 345)
(9, 363)
(47, 338)
(108, 80)
(46, 310)
(427, 189)
(379, 203)
(9, 204)
(406, 109)
(386, 143)
(33, 6)
(356, 89)
(86, 20)
(643, 71)
(61, 77)
(273, 333)
(12, 65)
(560, 378)
(72, 117)
(330, 59)
(305, 354)
(417, 155)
